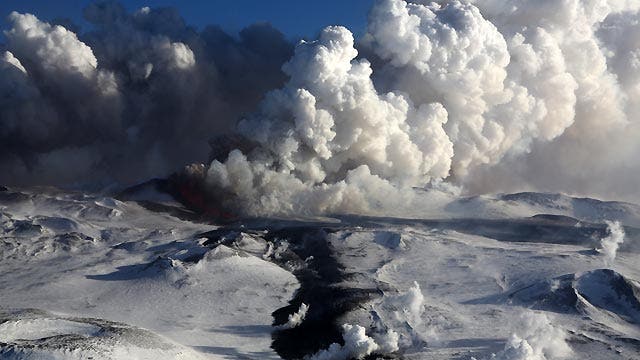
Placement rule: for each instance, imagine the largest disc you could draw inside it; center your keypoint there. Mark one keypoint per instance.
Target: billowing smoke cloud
(491, 96)
(455, 89)
(597, 153)
(501, 90)
(327, 141)
(138, 96)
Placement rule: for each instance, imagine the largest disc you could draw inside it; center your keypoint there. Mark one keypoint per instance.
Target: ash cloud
(484, 95)
(138, 96)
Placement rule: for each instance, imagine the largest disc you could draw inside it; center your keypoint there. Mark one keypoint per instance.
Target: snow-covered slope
(79, 255)
(34, 334)
(493, 277)
(529, 204)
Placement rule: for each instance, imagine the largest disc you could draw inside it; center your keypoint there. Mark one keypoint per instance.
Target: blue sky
(295, 18)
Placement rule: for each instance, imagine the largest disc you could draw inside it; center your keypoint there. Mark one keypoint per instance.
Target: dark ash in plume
(139, 96)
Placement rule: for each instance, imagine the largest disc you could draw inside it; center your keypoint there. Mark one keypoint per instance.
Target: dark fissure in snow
(320, 276)
(320, 289)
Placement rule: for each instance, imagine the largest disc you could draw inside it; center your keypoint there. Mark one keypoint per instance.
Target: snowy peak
(602, 290)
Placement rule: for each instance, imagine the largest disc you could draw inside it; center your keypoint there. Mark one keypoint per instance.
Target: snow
(36, 334)
(502, 284)
(43, 328)
(102, 258)
(465, 282)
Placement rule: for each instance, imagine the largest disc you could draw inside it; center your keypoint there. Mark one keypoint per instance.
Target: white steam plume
(403, 313)
(597, 42)
(329, 142)
(535, 338)
(609, 245)
(357, 345)
(501, 90)
(388, 335)
(296, 318)
(465, 88)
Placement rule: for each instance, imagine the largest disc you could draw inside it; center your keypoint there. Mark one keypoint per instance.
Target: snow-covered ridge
(530, 203)
(33, 334)
(93, 256)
